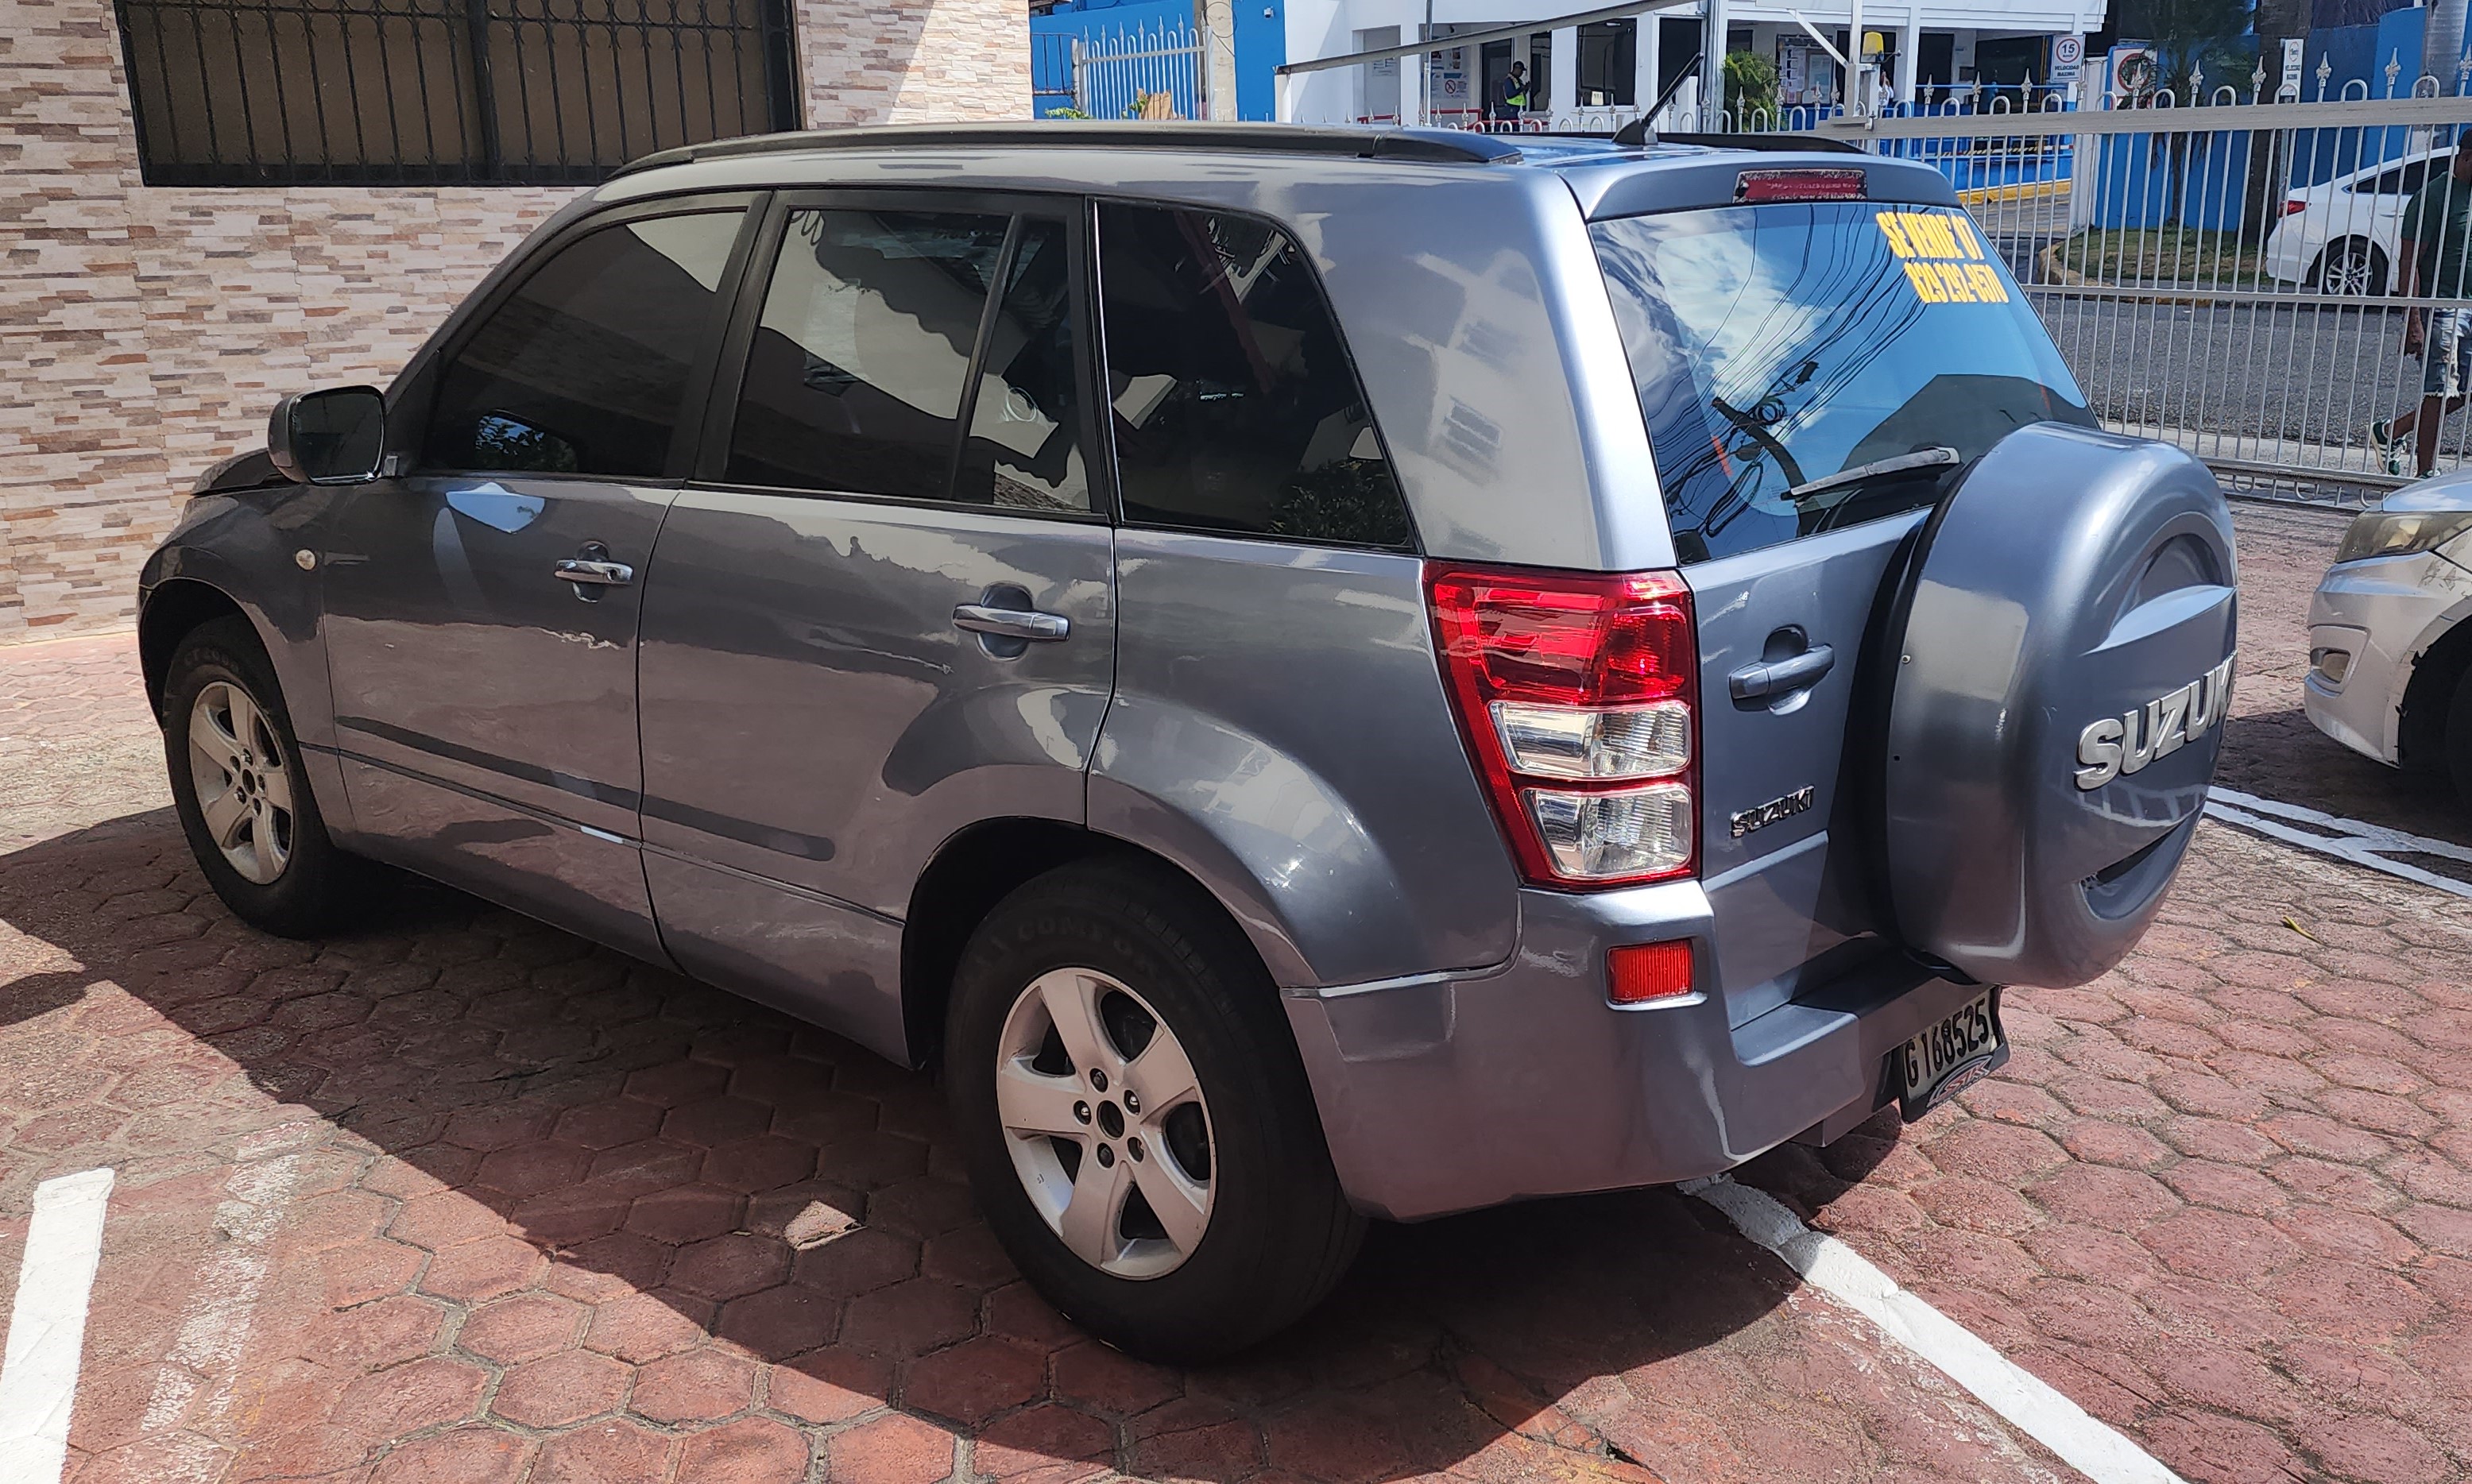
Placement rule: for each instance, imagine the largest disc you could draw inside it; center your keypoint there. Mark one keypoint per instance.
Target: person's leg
(2446, 378)
(2389, 436)
(2442, 381)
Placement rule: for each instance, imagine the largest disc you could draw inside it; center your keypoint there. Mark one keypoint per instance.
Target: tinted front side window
(1235, 406)
(1776, 345)
(855, 379)
(584, 369)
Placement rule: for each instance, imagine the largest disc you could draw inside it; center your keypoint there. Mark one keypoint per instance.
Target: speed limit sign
(2068, 56)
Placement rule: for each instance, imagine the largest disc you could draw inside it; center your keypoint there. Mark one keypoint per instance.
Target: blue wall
(2194, 180)
(2144, 187)
(1261, 44)
(2359, 56)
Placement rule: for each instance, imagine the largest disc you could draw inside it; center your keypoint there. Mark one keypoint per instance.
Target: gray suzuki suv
(1317, 674)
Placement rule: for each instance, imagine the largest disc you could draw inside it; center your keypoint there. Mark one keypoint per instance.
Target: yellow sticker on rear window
(1943, 257)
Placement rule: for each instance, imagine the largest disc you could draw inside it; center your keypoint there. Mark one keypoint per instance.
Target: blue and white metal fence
(1117, 76)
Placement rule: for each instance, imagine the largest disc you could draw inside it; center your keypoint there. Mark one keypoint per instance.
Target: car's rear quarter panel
(1279, 729)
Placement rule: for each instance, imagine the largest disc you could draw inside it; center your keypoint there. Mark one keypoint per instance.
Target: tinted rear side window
(583, 369)
(855, 379)
(1776, 345)
(1235, 407)
(1025, 446)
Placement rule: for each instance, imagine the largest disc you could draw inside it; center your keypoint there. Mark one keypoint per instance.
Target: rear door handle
(979, 618)
(1779, 677)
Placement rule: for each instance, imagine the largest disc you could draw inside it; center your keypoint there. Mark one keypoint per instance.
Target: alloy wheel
(2350, 271)
(244, 790)
(1105, 1122)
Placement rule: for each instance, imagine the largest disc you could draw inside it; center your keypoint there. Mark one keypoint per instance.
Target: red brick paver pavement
(462, 1197)
(2223, 1197)
(465, 1198)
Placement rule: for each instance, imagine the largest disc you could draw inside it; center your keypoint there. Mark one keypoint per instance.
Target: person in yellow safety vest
(1512, 99)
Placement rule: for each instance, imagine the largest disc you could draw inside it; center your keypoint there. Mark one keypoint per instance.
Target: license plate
(1949, 1056)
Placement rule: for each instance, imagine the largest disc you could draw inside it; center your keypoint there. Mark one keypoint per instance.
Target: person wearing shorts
(2436, 229)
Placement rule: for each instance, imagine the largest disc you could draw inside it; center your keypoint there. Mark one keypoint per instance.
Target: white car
(2387, 644)
(2338, 236)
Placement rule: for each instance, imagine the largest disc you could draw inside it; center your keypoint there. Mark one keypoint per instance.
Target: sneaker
(2388, 448)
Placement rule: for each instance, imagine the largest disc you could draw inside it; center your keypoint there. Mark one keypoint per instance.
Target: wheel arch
(175, 608)
(979, 867)
(2438, 666)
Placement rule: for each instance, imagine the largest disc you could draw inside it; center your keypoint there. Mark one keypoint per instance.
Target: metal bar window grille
(437, 92)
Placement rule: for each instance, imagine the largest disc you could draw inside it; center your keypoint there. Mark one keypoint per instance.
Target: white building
(1582, 76)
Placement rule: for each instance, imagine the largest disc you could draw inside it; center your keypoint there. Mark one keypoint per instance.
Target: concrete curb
(2057, 273)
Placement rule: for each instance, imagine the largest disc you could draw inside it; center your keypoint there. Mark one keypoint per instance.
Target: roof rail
(1427, 146)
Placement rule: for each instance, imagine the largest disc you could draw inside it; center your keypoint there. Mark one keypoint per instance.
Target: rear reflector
(1576, 695)
(1639, 973)
(1754, 186)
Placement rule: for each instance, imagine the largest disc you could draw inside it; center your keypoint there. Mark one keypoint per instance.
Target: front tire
(1138, 1128)
(238, 787)
(2459, 738)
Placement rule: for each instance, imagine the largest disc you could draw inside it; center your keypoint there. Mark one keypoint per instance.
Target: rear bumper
(1448, 1093)
(2288, 255)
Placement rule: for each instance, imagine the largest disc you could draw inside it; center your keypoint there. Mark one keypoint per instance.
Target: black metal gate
(431, 92)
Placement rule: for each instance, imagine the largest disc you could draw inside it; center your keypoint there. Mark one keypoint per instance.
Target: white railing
(1157, 72)
(2227, 275)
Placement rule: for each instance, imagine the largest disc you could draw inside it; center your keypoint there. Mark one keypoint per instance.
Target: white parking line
(2345, 840)
(39, 1370)
(2031, 1406)
(223, 1301)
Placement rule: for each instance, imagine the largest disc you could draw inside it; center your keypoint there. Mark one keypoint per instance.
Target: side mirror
(335, 436)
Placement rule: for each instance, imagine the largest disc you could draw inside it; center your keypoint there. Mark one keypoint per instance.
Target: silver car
(2388, 648)
(1318, 673)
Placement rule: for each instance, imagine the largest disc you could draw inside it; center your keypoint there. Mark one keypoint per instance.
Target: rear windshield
(1776, 345)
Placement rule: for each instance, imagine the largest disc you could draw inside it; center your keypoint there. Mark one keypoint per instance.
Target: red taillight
(2295, 206)
(1577, 693)
(1643, 973)
(1753, 186)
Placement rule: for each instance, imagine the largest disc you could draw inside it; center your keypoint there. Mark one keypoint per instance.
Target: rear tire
(1107, 963)
(2352, 267)
(243, 799)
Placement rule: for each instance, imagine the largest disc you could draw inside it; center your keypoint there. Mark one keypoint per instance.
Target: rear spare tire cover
(2056, 696)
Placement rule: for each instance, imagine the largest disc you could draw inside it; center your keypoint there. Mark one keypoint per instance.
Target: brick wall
(146, 331)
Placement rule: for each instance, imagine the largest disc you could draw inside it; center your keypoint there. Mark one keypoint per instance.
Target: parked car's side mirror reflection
(334, 437)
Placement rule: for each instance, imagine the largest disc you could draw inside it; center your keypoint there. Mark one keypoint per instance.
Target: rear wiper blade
(1902, 463)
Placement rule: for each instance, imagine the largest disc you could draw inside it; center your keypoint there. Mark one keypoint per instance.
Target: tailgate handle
(1782, 677)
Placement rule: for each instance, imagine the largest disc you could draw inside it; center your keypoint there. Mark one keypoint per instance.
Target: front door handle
(591, 567)
(979, 618)
(1782, 677)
